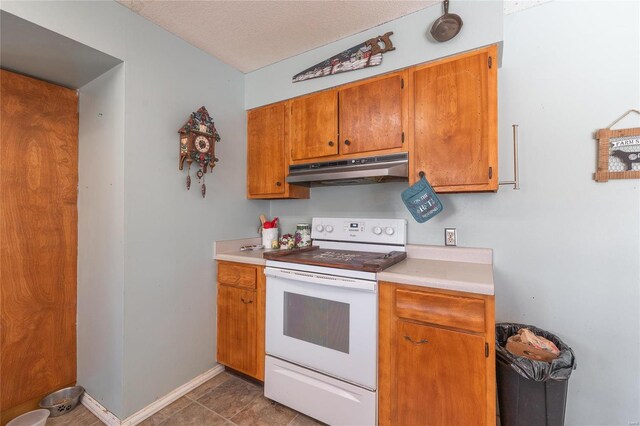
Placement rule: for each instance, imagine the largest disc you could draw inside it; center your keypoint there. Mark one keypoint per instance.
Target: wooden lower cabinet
(241, 310)
(431, 373)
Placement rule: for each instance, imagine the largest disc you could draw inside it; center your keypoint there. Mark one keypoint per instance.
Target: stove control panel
(379, 231)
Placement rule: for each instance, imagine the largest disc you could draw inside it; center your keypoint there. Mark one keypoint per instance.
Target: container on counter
(270, 234)
(287, 241)
(303, 235)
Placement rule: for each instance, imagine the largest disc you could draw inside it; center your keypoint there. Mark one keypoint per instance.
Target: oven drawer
(237, 275)
(324, 398)
(465, 313)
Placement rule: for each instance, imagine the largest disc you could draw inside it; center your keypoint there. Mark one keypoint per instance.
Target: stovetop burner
(341, 259)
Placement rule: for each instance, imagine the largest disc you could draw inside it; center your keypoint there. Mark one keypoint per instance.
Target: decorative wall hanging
(421, 200)
(618, 152)
(447, 26)
(367, 54)
(197, 144)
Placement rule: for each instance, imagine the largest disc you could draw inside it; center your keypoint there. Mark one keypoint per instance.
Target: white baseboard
(110, 419)
(106, 416)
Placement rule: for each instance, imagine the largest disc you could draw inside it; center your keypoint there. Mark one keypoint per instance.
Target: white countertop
(450, 268)
(457, 276)
(229, 250)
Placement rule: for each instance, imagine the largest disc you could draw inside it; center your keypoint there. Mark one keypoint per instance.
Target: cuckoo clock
(197, 145)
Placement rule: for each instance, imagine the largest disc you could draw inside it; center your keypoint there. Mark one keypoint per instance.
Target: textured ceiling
(252, 34)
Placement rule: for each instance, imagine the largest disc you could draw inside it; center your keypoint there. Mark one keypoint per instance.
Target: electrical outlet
(450, 237)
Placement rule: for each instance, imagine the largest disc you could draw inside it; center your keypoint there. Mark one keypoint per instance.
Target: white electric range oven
(322, 316)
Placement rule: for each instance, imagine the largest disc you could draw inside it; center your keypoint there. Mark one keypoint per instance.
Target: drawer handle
(421, 342)
(421, 174)
(347, 142)
(330, 143)
(278, 183)
(246, 302)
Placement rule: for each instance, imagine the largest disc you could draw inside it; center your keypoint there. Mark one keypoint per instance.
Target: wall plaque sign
(618, 152)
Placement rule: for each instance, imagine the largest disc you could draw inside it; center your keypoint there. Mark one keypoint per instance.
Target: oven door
(324, 322)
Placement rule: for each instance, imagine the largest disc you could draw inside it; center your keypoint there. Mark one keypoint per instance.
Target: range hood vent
(354, 171)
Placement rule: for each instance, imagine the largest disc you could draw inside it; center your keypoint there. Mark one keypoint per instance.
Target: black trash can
(530, 392)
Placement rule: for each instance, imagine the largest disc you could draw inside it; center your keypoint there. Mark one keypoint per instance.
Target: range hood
(353, 171)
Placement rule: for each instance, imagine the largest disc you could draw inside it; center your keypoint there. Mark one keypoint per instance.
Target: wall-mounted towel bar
(516, 178)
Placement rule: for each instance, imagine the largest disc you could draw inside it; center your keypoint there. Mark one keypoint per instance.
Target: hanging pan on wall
(447, 26)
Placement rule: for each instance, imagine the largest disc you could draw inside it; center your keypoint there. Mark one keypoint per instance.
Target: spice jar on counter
(303, 235)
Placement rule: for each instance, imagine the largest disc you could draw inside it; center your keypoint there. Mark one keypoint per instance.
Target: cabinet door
(441, 376)
(237, 323)
(314, 126)
(371, 115)
(455, 120)
(265, 150)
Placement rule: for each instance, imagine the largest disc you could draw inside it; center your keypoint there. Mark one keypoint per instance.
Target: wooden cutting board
(343, 259)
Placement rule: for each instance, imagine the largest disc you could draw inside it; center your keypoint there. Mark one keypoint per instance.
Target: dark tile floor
(226, 399)
(80, 416)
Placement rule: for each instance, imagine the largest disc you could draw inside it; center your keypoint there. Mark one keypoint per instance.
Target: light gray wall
(482, 26)
(170, 291)
(168, 310)
(101, 238)
(566, 249)
(61, 60)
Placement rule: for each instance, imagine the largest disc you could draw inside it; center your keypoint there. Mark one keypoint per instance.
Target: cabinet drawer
(459, 312)
(238, 275)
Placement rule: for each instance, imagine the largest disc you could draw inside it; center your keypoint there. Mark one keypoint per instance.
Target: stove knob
(329, 228)
(377, 230)
(389, 231)
(319, 228)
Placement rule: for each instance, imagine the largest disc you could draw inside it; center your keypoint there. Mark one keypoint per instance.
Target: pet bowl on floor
(62, 401)
(32, 418)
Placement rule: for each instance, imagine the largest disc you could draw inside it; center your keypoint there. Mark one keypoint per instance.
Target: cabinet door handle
(330, 143)
(420, 342)
(421, 174)
(278, 183)
(347, 142)
(246, 302)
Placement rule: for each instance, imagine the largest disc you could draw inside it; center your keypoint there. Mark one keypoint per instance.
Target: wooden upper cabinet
(372, 115)
(314, 126)
(268, 154)
(265, 150)
(455, 122)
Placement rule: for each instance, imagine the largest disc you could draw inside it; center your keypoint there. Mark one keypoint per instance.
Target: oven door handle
(322, 279)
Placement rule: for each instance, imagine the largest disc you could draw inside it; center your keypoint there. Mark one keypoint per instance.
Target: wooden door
(455, 122)
(371, 115)
(237, 324)
(38, 232)
(265, 150)
(441, 376)
(314, 126)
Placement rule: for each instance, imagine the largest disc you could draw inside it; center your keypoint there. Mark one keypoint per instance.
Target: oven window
(318, 321)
